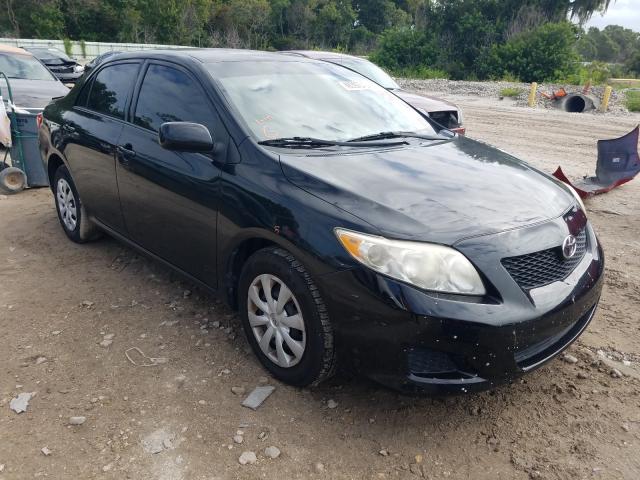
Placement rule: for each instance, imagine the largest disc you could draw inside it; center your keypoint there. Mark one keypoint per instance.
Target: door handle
(125, 153)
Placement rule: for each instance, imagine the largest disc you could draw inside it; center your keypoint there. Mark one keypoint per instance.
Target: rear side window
(111, 87)
(170, 95)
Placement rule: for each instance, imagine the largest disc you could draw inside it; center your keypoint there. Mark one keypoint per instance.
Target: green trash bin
(21, 166)
(27, 135)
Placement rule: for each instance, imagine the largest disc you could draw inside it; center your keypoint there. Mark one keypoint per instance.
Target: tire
(277, 269)
(71, 212)
(12, 180)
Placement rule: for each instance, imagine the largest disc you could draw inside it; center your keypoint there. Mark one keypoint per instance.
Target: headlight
(425, 265)
(78, 68)
(460, 116)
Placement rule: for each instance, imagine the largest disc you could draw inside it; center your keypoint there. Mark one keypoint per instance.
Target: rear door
(91, 130)
(170, 199)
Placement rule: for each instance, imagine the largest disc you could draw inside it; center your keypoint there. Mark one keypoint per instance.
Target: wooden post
(605, 99)
(532, 94)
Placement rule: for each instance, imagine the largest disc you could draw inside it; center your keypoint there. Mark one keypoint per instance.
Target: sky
(621, 12)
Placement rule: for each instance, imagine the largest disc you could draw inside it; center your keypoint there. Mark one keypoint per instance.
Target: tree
(333, 23)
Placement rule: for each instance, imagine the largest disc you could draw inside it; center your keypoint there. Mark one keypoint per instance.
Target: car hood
(429, 104)
(35, 93)
(431, 192)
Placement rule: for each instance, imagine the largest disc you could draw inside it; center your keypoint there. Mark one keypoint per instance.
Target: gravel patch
(493, 89)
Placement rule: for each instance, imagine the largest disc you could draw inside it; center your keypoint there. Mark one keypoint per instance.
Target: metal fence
(91, 49)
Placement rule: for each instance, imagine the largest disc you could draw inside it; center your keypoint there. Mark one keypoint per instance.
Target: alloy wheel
(276, 320)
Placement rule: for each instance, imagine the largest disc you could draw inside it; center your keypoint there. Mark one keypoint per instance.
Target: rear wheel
(71, 212)
(285, 319)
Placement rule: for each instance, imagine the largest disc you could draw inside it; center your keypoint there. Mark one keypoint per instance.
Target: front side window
(24, 67)
(312, 99)
(111, 87)
(368, 69)
(170, 95)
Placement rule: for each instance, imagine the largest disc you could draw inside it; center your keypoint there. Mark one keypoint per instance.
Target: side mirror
(185, 137)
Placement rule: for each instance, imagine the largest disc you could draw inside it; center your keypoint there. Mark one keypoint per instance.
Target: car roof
(42, 49)
(14, 50)
(212, 55)
(318, 54)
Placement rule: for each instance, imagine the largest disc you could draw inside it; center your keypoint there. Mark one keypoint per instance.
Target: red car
(444, 113)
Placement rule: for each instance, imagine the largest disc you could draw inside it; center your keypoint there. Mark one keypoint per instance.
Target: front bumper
(418, 341)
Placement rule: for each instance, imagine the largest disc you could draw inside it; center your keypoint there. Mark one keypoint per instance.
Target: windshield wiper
(308, 142)
(387, 135)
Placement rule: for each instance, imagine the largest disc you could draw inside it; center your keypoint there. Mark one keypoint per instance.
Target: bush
(510, 92)
(633, 64)
(597, 73)
(544, 54)
(633, 100)
(68, 46)
(405, 48)
(421, 73)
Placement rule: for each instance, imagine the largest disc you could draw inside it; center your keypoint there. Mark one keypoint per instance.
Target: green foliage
(633, 100)
(68, 46)
(423, 73)
(633, 64)
(597, 73)
(510, 92)
(544, 54)
(455, 38)
(613, 44)
(83, 48)
(405, 48)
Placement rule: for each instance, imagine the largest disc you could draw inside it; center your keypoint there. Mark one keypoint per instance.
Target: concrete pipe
(577, 103)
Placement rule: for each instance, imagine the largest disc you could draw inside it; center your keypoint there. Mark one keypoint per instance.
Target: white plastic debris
(5, 126)
(258, 396)
(77, 420)
(21, 402)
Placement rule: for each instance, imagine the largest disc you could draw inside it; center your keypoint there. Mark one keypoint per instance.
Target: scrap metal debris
(618, 163)
(257, 397)
(21, 402)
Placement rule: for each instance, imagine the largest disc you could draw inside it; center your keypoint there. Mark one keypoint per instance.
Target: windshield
(368, 69)
(312, 99)
(24, 67)
(51, 55)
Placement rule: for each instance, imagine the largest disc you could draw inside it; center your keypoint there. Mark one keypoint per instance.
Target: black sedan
(65, 68)
(329, 213)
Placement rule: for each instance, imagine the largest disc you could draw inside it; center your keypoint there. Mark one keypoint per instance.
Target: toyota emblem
(569, 247)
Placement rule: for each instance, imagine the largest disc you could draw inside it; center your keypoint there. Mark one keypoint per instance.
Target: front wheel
(71, 212)
(285, 319)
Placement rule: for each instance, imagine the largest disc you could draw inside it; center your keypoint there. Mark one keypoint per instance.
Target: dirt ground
(59, 301)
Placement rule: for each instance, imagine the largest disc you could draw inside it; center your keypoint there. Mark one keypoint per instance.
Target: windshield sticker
(268, 132)
(354, 86)
(265, 119)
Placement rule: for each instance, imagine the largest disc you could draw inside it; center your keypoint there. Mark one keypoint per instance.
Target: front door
(170, 199)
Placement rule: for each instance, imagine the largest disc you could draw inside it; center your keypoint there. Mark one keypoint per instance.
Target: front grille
(426, 362)
(61, 69)
(541, 268)
(446, 119)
